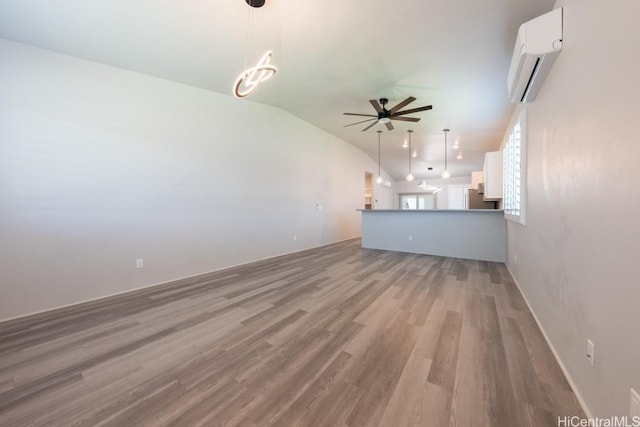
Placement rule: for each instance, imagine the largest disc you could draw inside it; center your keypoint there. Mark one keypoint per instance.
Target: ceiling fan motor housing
(384, 116)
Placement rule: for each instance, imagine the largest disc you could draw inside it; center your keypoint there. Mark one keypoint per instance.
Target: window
(458, 196)
(514, 176)
(416, 201)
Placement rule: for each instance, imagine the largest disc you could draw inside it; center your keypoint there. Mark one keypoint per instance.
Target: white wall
(101, 166)
(578, 254)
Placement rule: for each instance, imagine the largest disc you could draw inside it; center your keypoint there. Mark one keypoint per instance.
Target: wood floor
(336, 336)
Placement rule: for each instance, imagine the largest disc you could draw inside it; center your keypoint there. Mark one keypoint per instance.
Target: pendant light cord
(410, 150)
(445, 149)
(379, 132)
(445, 173)
(249, 37)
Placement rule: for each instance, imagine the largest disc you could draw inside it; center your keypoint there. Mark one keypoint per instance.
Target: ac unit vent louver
(538, 44)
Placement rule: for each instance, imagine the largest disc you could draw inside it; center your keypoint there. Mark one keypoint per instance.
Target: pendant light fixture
(248, 81)
(379, 178)
(410, 176)
(445, 173)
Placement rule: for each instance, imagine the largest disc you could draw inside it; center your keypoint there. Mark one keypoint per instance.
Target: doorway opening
(368, 190)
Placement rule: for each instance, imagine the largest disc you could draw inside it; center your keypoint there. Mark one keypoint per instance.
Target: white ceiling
(333, 56)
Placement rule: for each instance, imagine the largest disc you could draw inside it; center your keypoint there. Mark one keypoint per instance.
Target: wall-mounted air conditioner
(538, 44)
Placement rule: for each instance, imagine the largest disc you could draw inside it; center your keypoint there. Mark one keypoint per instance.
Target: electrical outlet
(139, 263)
(635, 404)
(591, 352)
(515, 258)
(410, 238)
(295, 237)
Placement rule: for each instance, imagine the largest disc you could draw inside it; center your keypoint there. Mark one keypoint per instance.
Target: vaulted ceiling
(333, 57)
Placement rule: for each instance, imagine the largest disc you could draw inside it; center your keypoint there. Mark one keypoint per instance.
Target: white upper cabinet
(493, 175)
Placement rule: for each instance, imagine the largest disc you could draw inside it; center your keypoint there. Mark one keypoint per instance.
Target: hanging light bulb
(445, 173)
(379, 178)
(410, 176)
(459, 156)
(414, 154)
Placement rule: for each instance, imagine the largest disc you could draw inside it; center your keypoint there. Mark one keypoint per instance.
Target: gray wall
(101, 166)
(479, 235)
(577, 257)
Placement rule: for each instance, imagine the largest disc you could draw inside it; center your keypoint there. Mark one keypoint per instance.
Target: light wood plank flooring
(335, 336)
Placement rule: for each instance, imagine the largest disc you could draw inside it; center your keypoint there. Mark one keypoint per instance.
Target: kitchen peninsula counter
(479, 234)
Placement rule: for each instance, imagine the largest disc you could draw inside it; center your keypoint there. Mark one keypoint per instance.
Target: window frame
(416, 195)
(510, 170)
(464, 193)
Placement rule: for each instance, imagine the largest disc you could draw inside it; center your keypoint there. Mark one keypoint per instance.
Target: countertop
(431, 210)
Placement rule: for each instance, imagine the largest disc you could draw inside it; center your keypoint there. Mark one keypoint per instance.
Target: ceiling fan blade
(357, 123)
(370, 126)
(413, 110)
(407, 101)
(406, 119)
(376, 105)
(363, 115)
(389, 125)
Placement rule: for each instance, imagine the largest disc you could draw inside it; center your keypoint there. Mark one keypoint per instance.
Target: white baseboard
(575, 389)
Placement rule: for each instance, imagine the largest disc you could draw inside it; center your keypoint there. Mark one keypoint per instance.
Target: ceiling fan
(385, 116)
